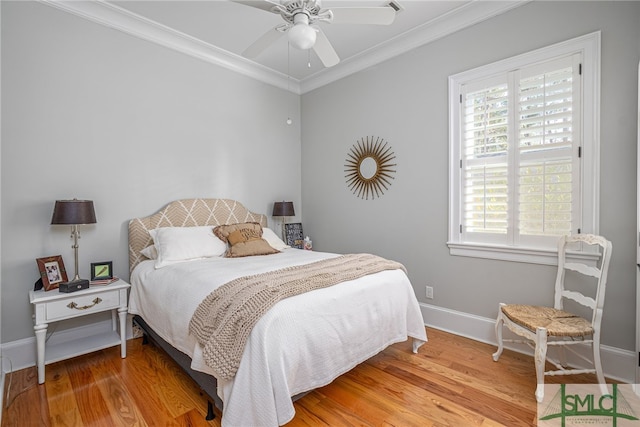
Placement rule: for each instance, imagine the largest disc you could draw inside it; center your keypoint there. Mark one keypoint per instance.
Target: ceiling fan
(301, 17)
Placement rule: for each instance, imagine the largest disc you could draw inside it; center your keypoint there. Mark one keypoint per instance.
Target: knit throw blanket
(223, 320)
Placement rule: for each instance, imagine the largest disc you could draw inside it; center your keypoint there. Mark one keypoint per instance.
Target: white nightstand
(53, 306)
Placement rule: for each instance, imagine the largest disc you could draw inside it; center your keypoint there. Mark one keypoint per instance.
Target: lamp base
(74, 285)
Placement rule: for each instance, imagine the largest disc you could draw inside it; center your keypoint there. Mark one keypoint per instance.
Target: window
(524, 152)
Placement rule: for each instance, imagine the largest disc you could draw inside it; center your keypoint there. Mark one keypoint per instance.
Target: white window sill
(517, 254)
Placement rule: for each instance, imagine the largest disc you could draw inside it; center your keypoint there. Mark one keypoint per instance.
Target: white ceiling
(219, 31)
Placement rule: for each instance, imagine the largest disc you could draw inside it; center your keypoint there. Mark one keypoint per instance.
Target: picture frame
(102, 270)
(293, 235)
(52, 271)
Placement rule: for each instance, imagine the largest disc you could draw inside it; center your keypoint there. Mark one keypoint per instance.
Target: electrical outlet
(429, 292)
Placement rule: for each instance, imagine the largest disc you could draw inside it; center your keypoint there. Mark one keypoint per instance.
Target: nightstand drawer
(81, 305)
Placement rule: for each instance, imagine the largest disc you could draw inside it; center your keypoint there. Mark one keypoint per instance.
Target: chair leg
(499, 324)
(540, 357)
(597, 363)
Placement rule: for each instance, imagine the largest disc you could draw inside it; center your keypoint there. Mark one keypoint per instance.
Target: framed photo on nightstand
(101, 270)
(293, 235)
(52, 271)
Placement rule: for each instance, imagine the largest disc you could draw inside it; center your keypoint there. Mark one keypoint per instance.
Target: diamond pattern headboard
(186, 213)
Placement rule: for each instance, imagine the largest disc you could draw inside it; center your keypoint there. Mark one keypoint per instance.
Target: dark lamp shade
(73, 212)
(283, 209)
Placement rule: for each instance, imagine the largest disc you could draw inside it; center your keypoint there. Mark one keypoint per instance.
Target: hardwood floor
(453, 381)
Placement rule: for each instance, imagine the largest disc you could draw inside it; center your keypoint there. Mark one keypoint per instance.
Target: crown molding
(456, 20)
(115, 17)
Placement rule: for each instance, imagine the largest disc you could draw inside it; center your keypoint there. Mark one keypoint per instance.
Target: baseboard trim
(618, 364)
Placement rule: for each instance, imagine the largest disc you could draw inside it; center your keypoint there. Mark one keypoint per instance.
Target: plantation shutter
(520, 170)
(485, 120)
(548, 172)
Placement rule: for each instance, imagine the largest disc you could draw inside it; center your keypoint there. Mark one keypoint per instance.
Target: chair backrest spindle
(598, 272)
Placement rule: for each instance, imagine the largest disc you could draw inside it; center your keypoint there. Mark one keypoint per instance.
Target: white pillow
(177, 244)
(150, 252)
(273, 240)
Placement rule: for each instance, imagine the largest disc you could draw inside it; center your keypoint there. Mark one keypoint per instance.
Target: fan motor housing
(310, 8)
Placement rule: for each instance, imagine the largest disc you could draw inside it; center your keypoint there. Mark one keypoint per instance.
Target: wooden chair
(545, 326)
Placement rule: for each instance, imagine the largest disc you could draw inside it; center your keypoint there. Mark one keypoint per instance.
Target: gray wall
(404, 100)
(90, 112)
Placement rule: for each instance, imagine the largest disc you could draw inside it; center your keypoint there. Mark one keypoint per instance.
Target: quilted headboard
(186, 213)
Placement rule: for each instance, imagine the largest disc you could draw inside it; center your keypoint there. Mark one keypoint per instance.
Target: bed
(301, 343)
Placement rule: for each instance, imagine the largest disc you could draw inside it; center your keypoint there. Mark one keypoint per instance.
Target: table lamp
(283, 209)
(74, 212)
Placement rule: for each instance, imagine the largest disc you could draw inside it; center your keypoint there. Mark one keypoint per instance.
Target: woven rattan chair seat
(558, 323)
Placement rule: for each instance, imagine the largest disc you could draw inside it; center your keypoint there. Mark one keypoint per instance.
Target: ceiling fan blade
(363, 15)
(260, 4)
(262, 43)
(325, 51)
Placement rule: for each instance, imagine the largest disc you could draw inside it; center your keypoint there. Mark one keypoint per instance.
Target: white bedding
(302, 343)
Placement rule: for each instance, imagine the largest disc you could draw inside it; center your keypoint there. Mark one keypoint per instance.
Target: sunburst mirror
(368, 167)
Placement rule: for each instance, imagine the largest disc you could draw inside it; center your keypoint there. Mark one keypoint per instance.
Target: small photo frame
(52, 271)
(293, 235)
(102, 270)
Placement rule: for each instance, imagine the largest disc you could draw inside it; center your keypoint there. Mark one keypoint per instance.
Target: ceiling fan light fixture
(301, 35)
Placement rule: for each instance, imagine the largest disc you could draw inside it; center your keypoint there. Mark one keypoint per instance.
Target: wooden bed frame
(186, 213)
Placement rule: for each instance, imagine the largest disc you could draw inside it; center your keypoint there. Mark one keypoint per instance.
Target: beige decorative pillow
(244, 239)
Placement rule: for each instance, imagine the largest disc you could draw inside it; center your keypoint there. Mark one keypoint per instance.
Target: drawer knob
(72, 305)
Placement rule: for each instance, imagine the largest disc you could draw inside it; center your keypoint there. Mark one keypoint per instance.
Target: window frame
(588, 46)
